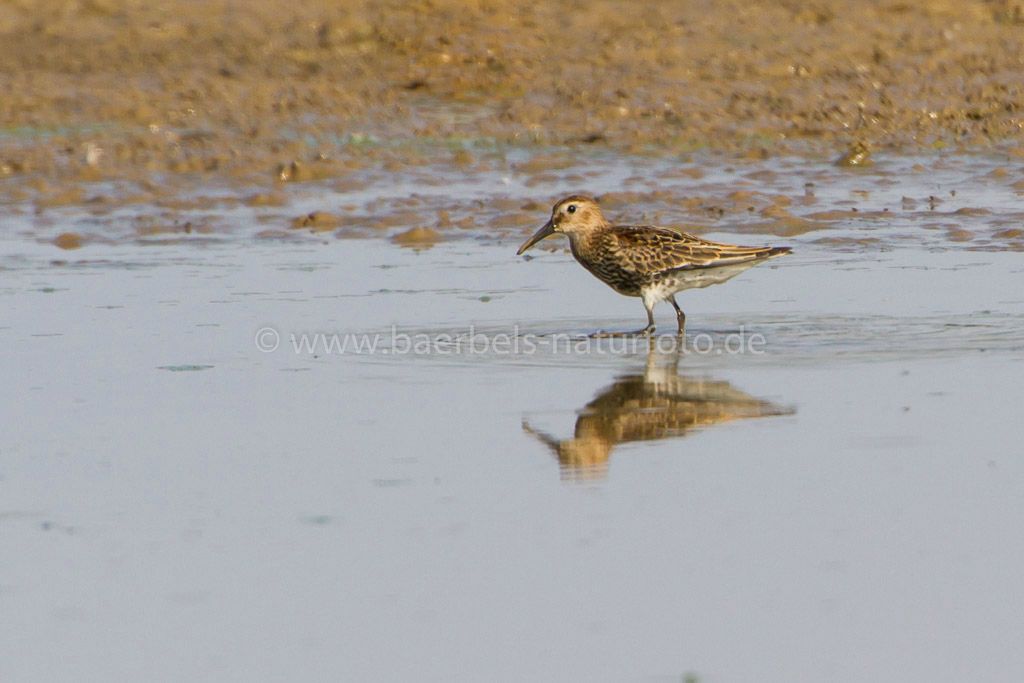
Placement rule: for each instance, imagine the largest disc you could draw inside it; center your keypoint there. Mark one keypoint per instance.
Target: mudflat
(268, 91)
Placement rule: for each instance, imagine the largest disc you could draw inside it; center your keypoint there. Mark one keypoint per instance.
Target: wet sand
(937, 200)
(158, 101)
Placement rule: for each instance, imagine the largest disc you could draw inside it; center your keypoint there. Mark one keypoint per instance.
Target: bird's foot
(602, 334)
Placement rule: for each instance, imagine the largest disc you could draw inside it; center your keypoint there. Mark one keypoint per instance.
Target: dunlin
(653, 263)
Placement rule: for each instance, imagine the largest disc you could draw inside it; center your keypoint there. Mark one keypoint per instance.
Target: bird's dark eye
(571, 208)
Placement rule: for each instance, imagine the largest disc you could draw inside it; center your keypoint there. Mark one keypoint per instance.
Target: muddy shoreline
(233, 88)
(161, 103)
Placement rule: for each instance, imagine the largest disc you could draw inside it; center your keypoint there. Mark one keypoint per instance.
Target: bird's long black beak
(546, 231)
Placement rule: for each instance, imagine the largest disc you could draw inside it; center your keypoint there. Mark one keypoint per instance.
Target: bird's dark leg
(647, 331)
(680, 316)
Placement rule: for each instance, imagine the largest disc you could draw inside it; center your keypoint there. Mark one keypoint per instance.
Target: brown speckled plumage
(650, 262)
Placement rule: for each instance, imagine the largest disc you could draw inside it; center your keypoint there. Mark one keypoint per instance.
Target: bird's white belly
(694, 278)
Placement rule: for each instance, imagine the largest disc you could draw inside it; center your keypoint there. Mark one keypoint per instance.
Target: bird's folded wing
(650, 249)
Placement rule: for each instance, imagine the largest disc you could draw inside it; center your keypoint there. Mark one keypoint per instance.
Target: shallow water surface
(237, 450)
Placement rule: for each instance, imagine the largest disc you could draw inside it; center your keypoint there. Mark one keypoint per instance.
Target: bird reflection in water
(658, 403)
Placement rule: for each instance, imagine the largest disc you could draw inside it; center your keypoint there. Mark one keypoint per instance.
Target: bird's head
(574, 215)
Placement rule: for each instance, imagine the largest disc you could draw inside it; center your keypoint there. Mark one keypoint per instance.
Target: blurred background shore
(268, 91)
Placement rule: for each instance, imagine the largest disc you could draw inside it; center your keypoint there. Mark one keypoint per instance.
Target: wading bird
(650, 262)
